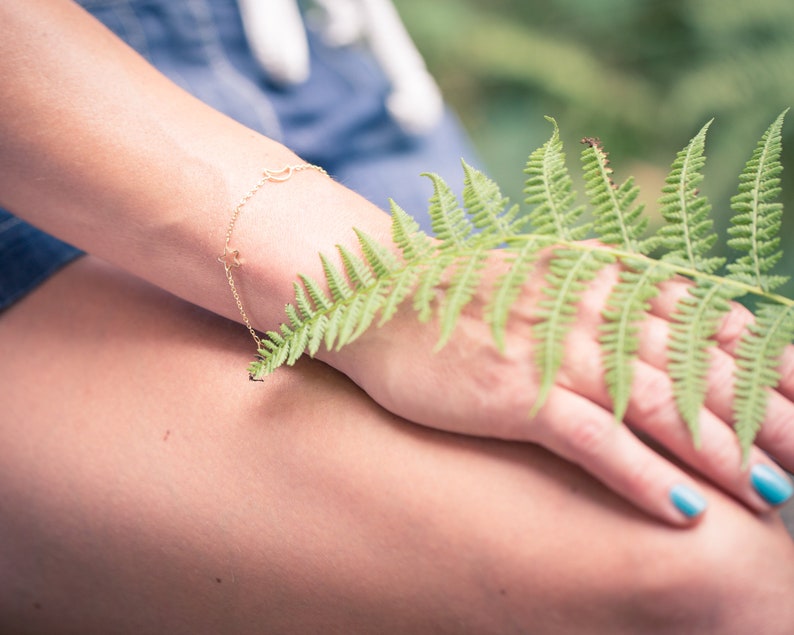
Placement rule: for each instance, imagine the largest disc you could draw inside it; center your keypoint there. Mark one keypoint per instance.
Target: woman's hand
(470, 387)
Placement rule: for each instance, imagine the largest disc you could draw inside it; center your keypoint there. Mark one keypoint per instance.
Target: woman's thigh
(146, 486)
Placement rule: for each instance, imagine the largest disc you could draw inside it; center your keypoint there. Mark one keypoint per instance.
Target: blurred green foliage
(641, 75)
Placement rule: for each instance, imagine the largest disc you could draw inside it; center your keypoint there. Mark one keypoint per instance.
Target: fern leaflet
(688, 234)
(758, 354)
(569, 271)
(697, 315)
(755, 226)
(627, 305)
(617, 220)
(549, 188)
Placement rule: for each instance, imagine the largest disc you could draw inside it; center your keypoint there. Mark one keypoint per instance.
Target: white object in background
(275, 34)
(277, 38)
(415, 101)
(342, 23)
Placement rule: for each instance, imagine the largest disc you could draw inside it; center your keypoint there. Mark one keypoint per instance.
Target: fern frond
(626, 307)
(618, 221)
(696, 319)
(688, 234)
(442, 276)
(757, 359)
(549, 188)
(569, 272)
(755, 227)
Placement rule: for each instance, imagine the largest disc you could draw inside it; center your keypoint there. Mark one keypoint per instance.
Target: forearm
(104, 152)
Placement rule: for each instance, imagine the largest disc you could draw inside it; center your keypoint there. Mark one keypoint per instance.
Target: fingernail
(687, 500)
(774, 488)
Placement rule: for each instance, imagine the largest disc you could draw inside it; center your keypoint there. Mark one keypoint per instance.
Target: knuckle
(778, 433)
(734, 325)
(652, 398)
(786, 367)
(721, 455)
(587, 438)
(640, 477)
(722, 370)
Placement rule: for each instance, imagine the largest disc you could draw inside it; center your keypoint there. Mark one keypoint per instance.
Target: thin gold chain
(230, 258)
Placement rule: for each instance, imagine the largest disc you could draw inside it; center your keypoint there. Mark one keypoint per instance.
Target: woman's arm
(103, 151)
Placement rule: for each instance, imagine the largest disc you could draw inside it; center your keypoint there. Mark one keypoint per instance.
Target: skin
(155, 490)
(105, 370)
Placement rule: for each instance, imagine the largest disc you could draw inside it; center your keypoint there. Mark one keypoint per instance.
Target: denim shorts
(337, 118)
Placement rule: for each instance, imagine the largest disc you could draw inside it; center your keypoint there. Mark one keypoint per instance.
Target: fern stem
(622, 255)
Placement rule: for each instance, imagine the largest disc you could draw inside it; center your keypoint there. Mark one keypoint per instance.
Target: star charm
(230, 258)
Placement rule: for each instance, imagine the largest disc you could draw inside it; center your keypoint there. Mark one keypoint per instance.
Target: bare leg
(147, 487)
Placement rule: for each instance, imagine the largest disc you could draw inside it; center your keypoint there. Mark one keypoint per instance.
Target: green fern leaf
(336, 318)
(618, 221)
(357, 272)
(569, 271)
(299, 341)
(414, 244)
(443, 275)
(373, 302)
(626, 307)
(316, 294)
(292, 313)
(689, 233)
(403, 284)
(462, 287)
(427, 290)
(758, 356)
(487, 208)
(380, 259)
(697, 317)
(755, 227)
(350, 316)
(549, 188)
(272, 356)
(449, 221)
(302, 302)
(340, 289)
(316, 334)
(508, 288)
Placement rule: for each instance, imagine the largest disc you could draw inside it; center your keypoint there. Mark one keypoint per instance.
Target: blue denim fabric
(27, 257)
(336, 119)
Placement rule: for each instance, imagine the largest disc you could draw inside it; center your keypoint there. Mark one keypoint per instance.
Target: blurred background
(643, 75)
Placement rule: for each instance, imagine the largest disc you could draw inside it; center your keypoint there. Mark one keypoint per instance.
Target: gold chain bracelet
(230, 259)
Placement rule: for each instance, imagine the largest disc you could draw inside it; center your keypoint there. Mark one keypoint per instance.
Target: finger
(733, 325)
(717, 456)
(777, 432)
(578, 430)
(652, 410)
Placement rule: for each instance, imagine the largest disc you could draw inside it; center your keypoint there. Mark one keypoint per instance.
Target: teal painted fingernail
(687, 500)
(774, 488)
